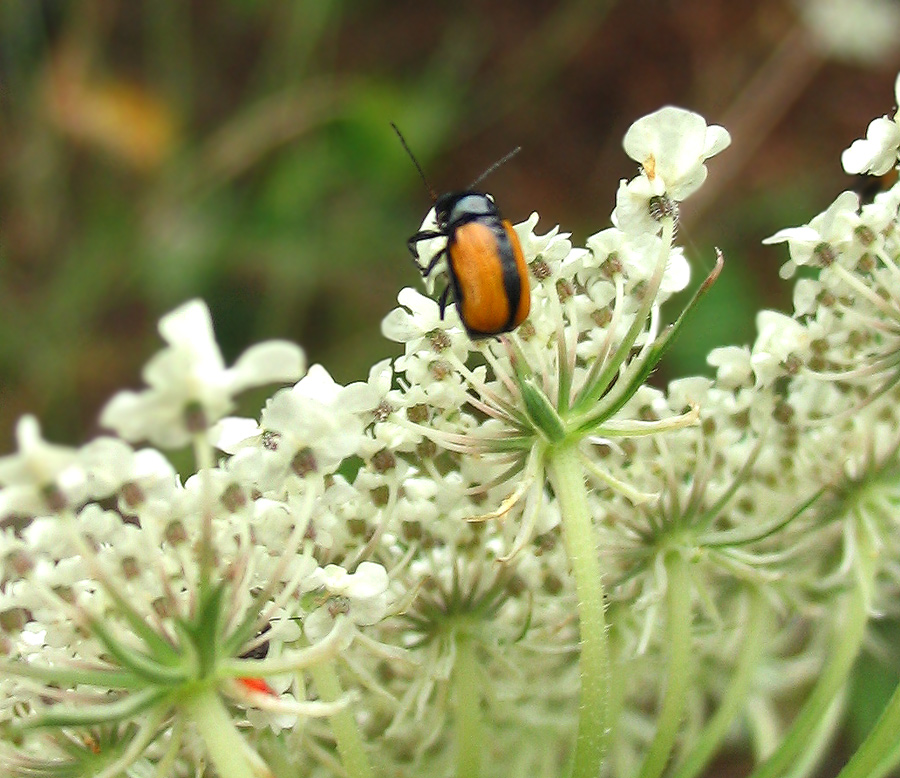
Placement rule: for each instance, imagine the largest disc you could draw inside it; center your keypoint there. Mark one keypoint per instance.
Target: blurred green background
(241, 151)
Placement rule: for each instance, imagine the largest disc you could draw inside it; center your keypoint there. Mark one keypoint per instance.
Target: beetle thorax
(457, 208)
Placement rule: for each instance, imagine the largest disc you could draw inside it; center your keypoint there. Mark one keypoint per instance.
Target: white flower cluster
(392, 573)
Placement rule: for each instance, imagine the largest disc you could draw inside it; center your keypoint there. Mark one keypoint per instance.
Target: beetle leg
(433, 264)
(420, 236)
(442, 300)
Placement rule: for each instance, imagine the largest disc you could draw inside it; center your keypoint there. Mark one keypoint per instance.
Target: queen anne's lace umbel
(510, 557)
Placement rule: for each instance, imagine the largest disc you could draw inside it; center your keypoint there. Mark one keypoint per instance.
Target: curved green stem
(711, 736)
(679, 634)
(880, 748)
(813, 755)
(888, 764)
(567, 476)
(466, 684)
(223, 741)
(349, 741)
(848, 638)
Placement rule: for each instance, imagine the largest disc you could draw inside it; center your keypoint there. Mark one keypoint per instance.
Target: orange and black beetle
(487, 275)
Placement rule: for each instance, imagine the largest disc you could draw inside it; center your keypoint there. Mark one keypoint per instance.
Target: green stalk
(817, 747)
(567, 476)
(223, 742)
(888, 764)
(204, 459)
(881, 744)
(616, 694)
(466, 683)
(679, 634)
(343, 724)
(712, 735)
(848, 637)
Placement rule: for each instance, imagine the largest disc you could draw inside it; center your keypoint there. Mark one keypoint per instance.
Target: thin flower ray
(892, 312)
(252, 620)
(602, 372)
(871, 399)
(592, 391)
(116, 709)
(148, 731)
(487, 400)
(659, 346)
(382, 526)
(635, 428)
(508, 503)
(636, 365)
(745, 568)
(868, 321)
(156, 644)
(493, 406)
(706, 518)
(692, 503)
(741, 536)
(889, 262)
(634, 496)
(299, 659)
(281, 706)
(518, 465)
(143, 665)
(64, 676)
(874, 368)
(528, 522)
(596, 387)
(386, 651)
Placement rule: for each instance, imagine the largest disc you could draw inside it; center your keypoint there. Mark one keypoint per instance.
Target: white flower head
(308, 428)
(671, 146)
(733, 366)
(779, 336)
(827, 237)
(877, 152)
(40, 475)
(418, 324)
(361, 597)
(189, 386)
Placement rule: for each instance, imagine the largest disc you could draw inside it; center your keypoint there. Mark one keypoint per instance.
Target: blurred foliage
(239, 151)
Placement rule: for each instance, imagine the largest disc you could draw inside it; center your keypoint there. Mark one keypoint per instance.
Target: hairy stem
(343, 724)
(466, 683)
(224, 744)
(567, 476)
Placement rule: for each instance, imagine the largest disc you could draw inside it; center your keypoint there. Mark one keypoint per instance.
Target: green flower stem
(848, 637)
(813, 755)
(204, 458)
(711, 736)
(888, 764)
(343, 724)
(678, 634)
(880, 746)
(567, 476)
(224, 744)
(166, 765)
(466, 683)
(618, 673)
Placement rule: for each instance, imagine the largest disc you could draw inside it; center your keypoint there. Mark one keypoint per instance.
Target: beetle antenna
(493, 167)
(415, 162)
